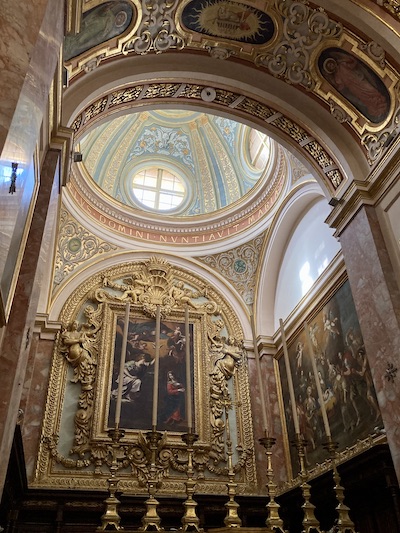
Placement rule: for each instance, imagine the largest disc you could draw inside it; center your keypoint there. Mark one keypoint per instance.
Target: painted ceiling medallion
(228, 20)
(99, 25)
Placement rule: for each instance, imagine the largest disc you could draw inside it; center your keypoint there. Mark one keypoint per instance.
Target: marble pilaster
(376, 296)
(34, 398)
(31, 38)
(18, 332)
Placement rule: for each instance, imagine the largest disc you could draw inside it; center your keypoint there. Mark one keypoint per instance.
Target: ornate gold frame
(75, 450)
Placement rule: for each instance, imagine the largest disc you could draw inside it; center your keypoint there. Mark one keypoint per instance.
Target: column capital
(362, 192)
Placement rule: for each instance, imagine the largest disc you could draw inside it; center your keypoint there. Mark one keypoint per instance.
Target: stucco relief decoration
(392, 6)
(157, 31)
(376, 143)
(75, 246)
(166, 141)
(304, 28)
(239, 266)
(86, 370)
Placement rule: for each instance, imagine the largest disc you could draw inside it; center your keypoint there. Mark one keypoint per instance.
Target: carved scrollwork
(157, 29)
(154, 286)
(79, 346)
(376, 143)
(303, 30)
(85, 356)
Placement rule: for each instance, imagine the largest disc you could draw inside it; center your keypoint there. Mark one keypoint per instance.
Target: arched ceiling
(318, 78)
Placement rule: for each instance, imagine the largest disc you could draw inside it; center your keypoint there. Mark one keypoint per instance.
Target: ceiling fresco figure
(356, 82)
(99, 25)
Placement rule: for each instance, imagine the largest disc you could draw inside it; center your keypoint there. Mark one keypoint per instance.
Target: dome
(176, 162)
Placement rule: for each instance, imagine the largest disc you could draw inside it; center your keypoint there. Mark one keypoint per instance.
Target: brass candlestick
(151, 520)
(190, 520)
(274, 522)
(111, 517)
(310, 523)
(232, 518)
(343, 524)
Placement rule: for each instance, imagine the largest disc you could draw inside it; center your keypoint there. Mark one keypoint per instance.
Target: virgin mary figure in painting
(175, 391)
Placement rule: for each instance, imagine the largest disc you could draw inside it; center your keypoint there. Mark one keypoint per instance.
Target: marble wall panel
(377, 300)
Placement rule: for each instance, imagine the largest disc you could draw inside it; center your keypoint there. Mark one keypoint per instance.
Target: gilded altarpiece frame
(76, 451)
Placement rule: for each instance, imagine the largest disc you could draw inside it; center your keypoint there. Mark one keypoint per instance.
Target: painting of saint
(228, 20)
(343, 374)
(356, 82)
(138, 375)
(98, 25)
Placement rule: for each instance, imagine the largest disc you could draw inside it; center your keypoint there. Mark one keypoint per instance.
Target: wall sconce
(12, 188)
(77, 157)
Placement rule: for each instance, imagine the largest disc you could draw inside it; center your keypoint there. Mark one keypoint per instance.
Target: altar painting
(138, 375)
(344, 376)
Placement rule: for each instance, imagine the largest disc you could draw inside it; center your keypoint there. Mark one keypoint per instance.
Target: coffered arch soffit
(284, 39)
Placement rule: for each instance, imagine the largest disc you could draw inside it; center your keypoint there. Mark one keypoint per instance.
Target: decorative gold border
(57, 471)
(328, 93)
(243, 50)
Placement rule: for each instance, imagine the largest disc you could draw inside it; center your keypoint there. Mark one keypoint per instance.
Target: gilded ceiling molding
(376, 143)
(156, 31)
(304, 29)
(75, 246)
(287, 38)
(138, 94)
(391, 6)
(239, 266)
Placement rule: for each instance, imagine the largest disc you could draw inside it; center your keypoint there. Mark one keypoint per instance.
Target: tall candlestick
(317, 382)
(122, 366)
(188, 373)
(290, 380)
(259, 376)
(156, 371)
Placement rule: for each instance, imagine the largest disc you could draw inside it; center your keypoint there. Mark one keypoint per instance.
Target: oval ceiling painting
(357, 82)
(228, 20)
(99, 25)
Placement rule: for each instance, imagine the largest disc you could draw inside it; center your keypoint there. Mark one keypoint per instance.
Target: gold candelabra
(343, 523)
(310, 523)
(190, 520)
(274, 522)
(232, 518)
(111, 517)
(151, 521)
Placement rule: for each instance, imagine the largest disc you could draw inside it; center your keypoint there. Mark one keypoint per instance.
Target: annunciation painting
(357, 82)
(344, 375)
(138, 375)
(147, 351)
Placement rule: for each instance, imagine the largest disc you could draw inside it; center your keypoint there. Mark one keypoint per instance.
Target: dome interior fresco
(176, 162)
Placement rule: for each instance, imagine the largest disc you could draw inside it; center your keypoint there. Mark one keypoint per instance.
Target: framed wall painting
(344, 375)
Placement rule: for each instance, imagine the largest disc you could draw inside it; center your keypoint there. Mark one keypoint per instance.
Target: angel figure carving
(77, 350)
